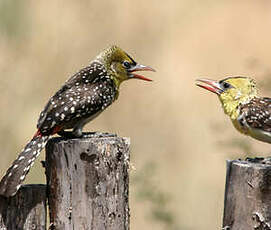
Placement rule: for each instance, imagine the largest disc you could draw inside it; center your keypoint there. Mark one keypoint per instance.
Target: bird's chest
(241, 125)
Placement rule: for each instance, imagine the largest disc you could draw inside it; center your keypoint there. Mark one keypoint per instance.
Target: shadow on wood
(26, 210)
(247, 202)
(88, 182)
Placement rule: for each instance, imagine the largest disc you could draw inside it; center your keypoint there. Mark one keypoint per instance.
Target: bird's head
(232, 92)
(121, 66)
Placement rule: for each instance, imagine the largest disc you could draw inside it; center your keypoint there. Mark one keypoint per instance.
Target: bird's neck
(117, 82)
(231, 107)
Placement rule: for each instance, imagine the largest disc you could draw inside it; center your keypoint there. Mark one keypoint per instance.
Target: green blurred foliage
(13, 17)
(148, 191)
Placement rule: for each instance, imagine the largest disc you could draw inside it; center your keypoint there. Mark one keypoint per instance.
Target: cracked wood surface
(88, 182)
(26, 210)
(247, 203)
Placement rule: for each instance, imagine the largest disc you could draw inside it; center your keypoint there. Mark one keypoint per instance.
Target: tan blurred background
(179, 134)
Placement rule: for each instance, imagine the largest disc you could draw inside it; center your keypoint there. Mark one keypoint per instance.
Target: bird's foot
(72, 135)
(255, 159)
(97, 134)
(67, 134)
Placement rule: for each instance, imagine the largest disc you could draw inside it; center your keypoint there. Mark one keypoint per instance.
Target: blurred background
(180, 138)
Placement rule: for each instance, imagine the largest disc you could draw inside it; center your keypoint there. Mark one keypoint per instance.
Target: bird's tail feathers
(16, 173)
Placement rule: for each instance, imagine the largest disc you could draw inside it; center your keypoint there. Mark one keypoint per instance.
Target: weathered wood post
(26, 210)
(247, 202)
(87, 182)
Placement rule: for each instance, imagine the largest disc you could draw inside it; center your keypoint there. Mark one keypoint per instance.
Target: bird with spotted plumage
(249, 113)
(82, 98)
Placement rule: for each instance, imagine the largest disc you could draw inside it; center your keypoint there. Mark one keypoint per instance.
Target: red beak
(210, 85)
(140, 67)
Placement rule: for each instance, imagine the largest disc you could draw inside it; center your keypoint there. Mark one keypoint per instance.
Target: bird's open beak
(140, 67)
(210, 85)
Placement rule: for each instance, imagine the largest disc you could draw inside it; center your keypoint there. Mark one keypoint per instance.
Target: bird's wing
(256, 114)
(76, 101)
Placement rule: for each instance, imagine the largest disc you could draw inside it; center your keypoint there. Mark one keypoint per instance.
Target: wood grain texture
(88, 183)
(247, 202)
(26, 210)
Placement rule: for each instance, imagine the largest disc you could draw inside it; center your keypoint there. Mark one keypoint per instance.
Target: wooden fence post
(26, 210)
(87, 182)
(247, 202)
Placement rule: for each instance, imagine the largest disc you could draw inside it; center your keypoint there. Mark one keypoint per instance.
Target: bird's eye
(226, 85)
(126, 65)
